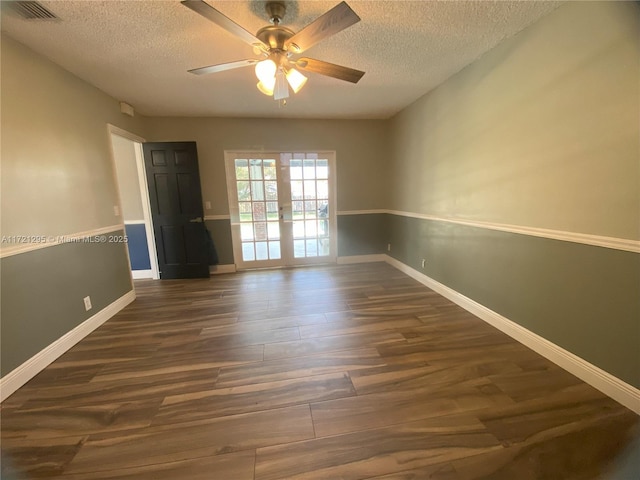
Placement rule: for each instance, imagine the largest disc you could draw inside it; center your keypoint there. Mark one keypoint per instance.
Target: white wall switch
(87, 303)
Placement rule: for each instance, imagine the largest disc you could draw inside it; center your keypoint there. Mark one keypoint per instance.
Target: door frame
(330, 155)
(144, 196)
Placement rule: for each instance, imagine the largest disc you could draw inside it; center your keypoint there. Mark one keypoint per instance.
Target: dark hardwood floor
(336, 372)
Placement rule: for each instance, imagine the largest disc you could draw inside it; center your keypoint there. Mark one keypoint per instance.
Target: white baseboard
(218, 269)
(608, 384)
(29, 369)
(140, 274)
(362, 259)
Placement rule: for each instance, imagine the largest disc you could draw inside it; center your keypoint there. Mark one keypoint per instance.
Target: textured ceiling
(140, 51)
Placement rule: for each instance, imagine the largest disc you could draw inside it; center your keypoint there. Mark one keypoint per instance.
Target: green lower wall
(221, 234)
(361, 234)
(583, 298)
(43, 291)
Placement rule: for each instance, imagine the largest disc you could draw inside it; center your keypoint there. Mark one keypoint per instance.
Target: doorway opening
(133, 201)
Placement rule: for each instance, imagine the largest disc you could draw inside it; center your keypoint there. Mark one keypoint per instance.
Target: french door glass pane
(297, 192)
(272, 210)
(259, 212)
(257, 191)
(273, 230)
(312, 248)
(260, 230)
(324, 247)
(310, 217)
(310, 229)
(256, 181)
(262, 252)
(246, 231)
(242, 169)
(255, 169)
(309, 189)
(323, 220)
(322, 168)
(245, 211)
(248, 252)
(271, 188)
(297, 210)
(309, 169)
(270, 172)
(244, 191)
(274, 250)
(310, 209)
(322, 189)
(295, 169)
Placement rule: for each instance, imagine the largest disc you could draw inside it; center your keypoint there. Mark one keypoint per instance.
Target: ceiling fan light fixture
(281, 89)
(266, 70)
(296, 80)
(267, 87)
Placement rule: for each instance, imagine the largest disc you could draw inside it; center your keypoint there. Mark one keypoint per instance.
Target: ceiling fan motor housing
(274, 36)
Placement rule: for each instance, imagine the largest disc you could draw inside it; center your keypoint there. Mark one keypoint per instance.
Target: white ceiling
(139, 52)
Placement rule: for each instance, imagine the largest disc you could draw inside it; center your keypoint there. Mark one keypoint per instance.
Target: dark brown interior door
(176, 209)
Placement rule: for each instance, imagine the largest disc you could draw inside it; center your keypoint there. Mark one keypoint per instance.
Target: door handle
(196, 220)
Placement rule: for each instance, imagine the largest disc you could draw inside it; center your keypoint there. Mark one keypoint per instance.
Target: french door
(282, 208)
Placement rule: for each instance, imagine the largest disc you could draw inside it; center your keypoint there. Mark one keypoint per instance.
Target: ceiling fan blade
(223, 66)
(330, 70)
(335, 20)
(210, 13)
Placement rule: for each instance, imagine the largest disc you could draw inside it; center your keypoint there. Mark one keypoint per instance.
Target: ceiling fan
(277, 46)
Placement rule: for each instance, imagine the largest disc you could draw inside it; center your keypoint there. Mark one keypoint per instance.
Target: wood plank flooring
(332, 372)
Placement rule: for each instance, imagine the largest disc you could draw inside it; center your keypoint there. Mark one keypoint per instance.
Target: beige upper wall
(542, 131)
(361, 151)
(57, 174)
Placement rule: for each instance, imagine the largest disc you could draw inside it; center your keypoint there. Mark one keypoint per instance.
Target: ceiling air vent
(32, 11)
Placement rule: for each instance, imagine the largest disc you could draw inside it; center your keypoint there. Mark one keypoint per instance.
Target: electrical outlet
(207, 205)
(116, 210)
(388, 247)
(423, 262)
(87, 303)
